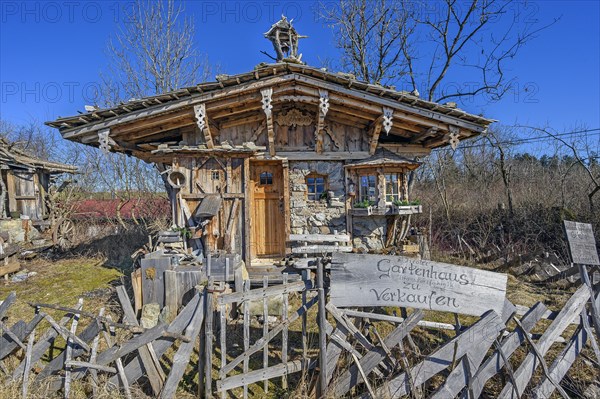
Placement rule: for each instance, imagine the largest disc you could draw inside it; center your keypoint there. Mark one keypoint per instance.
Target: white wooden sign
(582, 243)
(373, 280)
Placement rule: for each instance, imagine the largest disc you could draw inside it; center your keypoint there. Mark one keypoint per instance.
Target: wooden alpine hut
(284, 154)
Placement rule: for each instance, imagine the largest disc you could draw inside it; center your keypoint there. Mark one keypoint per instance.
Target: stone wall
(323, 217)
(314, 217)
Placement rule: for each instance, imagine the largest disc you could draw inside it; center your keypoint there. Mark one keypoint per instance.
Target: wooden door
(267, 209)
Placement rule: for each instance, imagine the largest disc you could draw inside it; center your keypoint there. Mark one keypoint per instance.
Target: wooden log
(182, 357)
(493, 365)
(569, 312)
(352, 376)
(485, 329)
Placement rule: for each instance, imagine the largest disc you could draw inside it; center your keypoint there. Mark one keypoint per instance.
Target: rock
(320, 217)
(271, 320)
(325, 230)
(274, 307)
(150, 315)
(167, 315)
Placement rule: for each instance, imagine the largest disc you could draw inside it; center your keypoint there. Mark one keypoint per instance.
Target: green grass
(60, 282)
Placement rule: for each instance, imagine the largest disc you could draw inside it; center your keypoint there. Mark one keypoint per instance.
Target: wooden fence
(357, 352)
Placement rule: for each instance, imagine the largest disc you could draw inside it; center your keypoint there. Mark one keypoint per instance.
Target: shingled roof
(384, 157)
(16, 158)
(263, 71)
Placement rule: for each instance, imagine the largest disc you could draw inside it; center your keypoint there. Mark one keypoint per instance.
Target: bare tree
(582, 157)
(421, 45)
(152, 52)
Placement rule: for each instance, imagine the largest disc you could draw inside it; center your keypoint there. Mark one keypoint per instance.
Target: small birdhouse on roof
(285, 40)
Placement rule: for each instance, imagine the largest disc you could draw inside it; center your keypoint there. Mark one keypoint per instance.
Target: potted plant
(362, 208)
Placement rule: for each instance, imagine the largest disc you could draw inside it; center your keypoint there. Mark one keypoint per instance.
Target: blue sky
(52, 52)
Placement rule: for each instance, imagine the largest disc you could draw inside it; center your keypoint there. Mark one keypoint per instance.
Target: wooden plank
(89, 365)
(351, 377)
(93, 356)
(223, 338)
(461, 375)
(259, 375)
(320, 249)
(230, 232)
(208, 338)
(9, 268)
(40, 348)
(260, 293)
(66, 334)
(406, 282)
(258, 345)
(118, 361)
(69, 353)
(135, 369)
(493, 365)
(320, 237)
(334, 351)
(396, 319)
(569, 312)
(246, 328)
(561, 365)
(375, 130)
(151, 367)
(182, 357)
(321, 322)
(28, 352)
(485, 329)
(284, 333)
(265, 332)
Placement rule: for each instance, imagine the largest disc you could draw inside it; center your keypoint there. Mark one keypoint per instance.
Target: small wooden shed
(25, 182)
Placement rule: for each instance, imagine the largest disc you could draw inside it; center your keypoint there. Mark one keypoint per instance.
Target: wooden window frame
(316, 195)
(361, 196)
(399, 186)
(268, 179)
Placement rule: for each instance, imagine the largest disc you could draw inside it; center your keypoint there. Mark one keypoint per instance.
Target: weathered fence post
(322, 321)
(209, 339)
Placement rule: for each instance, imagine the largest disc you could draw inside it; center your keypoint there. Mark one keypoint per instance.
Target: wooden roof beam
(321, 113)
(384, 122)
(203, 125)
(423, 115)
(267, 98)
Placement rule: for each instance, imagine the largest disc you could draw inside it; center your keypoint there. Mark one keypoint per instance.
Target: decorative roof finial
(285, 40)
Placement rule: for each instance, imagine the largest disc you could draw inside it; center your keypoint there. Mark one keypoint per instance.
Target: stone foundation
(370, 233)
